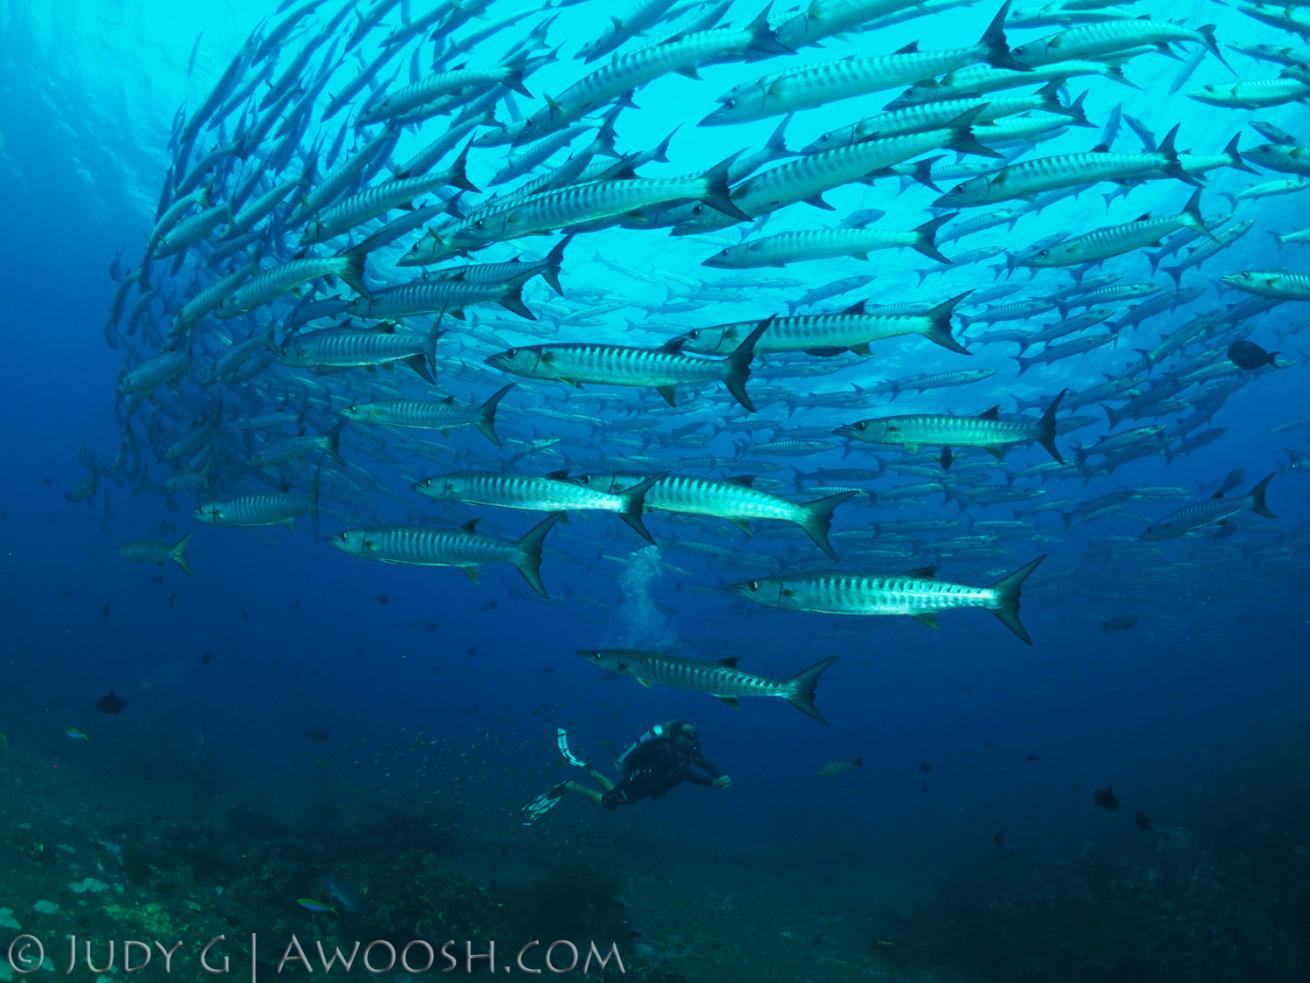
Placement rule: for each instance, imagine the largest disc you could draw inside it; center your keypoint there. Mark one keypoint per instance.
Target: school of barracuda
(368, 235)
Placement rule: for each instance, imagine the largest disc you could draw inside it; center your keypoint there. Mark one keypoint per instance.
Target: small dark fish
(105, 609)
(925, 767)
(1106, 799)
(245, 615)
(490, 606)
(1144, 823)
(1118, 622)
(172, 599)
(207, 658)
(999, 837)
(431, 625)
(1249, 355)
(111, 703)
(383, 599)
(1032, 759)
(319, 734)
(295, 604)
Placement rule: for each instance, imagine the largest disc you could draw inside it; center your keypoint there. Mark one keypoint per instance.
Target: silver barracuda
(722, 679)
(444, 415)
(1217, 510)
(464, 548)
(917, 595)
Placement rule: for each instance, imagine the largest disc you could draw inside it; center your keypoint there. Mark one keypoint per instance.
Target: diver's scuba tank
(655, 733)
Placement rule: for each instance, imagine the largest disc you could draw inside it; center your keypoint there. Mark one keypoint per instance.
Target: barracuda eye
(730, 103)
(478, 224)
(723, 252)
(754, 585)
(958, 189)
(861, 425)
(694, 332)
(511, 353)
(1044, 252)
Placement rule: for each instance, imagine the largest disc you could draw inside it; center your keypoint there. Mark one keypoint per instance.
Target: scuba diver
(664, 756)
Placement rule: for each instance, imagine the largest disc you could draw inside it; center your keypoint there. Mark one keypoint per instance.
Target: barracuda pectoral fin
(996, 452)
(470, 572)
(926, 619)
(827, 352)
(729, 701)
(642, 681)
(743, 525)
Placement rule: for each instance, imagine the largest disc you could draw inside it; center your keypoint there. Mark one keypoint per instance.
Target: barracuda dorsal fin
(994, 413)
(908, 49)
(927, 573)
(471, 573)
(471, 525)
(730, 701)
(558, 475)
(449, 400)
(856, 308)
(730, 661)
(926, 619)
(1217, 495)
(745, 480)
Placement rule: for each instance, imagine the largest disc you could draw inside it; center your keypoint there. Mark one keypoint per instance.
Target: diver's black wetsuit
(657, 764)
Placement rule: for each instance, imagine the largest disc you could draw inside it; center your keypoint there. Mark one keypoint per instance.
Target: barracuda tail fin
(996, 46)
(1235, 160)
(512, 297)
(1075, 111)
(178, 553)
(635, 503)
(718, 195)
(458, 173)
(739, 366)
(1008, 589)
(1046, 427)
(800, 688)
(1257, 497)
(940, 331)
(528, 560)
(353, 272)
(764, 42)
(487, 414)
(818, 519)
(925, 237)
(332, 442)
(1212, 44)
(552, 263)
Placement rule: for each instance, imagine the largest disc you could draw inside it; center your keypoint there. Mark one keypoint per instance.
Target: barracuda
(916, 595)
(295, 448)
(978, 80)
(721, 679)
(734, 500)
(347, 348)
(1111, 37)
(1032, 177)
(1271, 283)
(418, 97)
(272, 283)
(811, 244)
(445, 295)
(1217, 510)
(808, 178)
(464, 548)
(933, 115)
(1287, 158)
(431, 414)
(827, 82)
(577, 205)
(154, 372)
(376, 201)
(1205, 250)
(619, 365)
(1115, 240)
(1252, 94)
(854, 329)
(629, 71)
(987, 430)
(263, 509)
(546, 493)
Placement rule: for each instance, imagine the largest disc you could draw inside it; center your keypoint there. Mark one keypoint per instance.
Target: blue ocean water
(295, 713)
